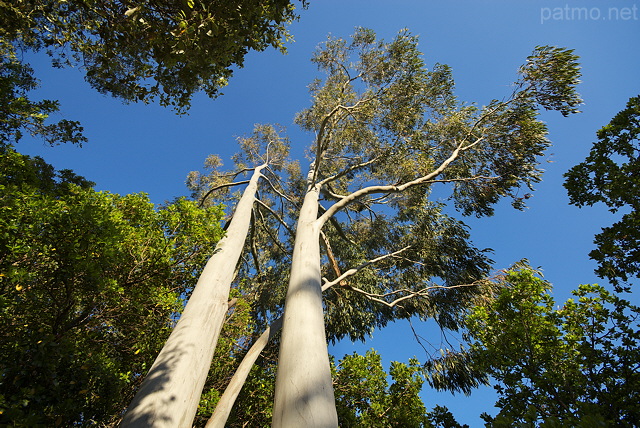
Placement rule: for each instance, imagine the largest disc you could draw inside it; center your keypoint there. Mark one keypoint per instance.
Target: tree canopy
(362, 223)
(90, 283)
(19, 114)
(151, 49)
(571, 365)
(611, 175)
(371, 223)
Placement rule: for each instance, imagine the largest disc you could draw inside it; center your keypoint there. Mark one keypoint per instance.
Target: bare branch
(276, 215)
(332, 258)
(426, 179)
(355, 270)
(252, 246)
(338, 228)
(350, 169)
(221, 186)
(420, 293)
(276, 190)
(267, 230)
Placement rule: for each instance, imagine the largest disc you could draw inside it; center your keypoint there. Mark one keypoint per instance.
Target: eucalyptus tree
(170, 393)
(392, 144)
(386, 132)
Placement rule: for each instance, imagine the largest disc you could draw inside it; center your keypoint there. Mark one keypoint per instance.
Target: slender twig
(221, 186)
(420, 293)
(357, 269)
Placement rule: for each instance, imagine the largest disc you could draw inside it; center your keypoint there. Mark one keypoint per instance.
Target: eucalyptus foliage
(394, 153)
(611, 175)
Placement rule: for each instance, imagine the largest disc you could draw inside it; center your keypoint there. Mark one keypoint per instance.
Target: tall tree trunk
(170, 393)
(304, 392)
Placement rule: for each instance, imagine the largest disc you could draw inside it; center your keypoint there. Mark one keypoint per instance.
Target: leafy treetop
(571, 365)
(611, 175)
(150, 49)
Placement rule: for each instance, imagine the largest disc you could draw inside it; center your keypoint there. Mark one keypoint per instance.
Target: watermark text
(571, 13)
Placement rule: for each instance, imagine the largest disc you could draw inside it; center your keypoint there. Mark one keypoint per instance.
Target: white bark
(231, 392)
(224, 406)
(170, 393)
(304, 392)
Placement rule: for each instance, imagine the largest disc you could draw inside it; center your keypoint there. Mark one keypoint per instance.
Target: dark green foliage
(19, 114)
(365, 398)
(441, 417)
(575, 365)
(611, 175)
(90, 283)
(150, 49)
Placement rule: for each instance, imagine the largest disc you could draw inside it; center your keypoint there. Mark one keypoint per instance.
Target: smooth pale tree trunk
(304, 392)
(231, 392)
(224, 406)
(170, 393)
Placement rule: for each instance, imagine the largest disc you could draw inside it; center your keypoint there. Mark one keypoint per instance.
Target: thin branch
(221, 186)
(252, 246)
(426, 179)
(351, 272)
(350, 169)
(332, 258)
(276, 190)
(267, 230)
(420, 293)
(337, 227)
(276, 215)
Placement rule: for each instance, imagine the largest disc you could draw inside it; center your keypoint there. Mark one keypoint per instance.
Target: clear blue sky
(138, 148)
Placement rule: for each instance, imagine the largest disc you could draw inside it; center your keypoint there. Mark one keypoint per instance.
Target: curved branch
(351, 272)
(349, 169)
(420, 293)
(221, 186)
(337, 227)
(395, 188)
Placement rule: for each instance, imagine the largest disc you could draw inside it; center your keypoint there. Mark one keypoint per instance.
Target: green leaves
(89, 286)
(364, 397)
(388, 133)
(153, 49)
(552, 74)
(558, 366)
(19, 114)
(610, 174)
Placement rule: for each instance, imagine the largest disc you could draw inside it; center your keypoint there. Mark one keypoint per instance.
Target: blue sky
(145, 148)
